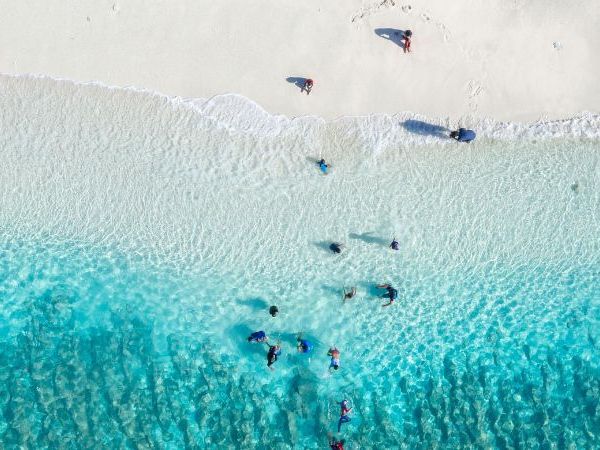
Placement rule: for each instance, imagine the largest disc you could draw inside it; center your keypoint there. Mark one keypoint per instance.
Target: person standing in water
(350, 294)
(273, 310)
(335, 358)
(392, 293)
(303, 346)
(336, 247)
(344, 411)
(395, 245)
(323, 166)
(274, 352)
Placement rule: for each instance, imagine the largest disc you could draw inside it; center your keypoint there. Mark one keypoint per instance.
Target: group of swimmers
(305, 346)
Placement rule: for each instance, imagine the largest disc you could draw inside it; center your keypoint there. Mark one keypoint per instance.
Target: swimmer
(303, 346)
(273, 310)
(274, 352)
(392, 293)
(336, 445)
(395, 245)
(350, 294)
(335, 358)
(336, 247)
(344, 411)
(258, 336)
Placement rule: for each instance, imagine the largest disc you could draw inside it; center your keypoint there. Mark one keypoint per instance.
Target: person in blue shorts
(344, 411)
(323, 166)
(335, 358)
(304, 346)
(258, 336)
(463, 135)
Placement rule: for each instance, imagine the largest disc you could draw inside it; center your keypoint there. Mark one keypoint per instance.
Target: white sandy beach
(506, 60)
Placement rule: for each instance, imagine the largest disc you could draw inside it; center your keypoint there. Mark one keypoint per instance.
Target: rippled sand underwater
(143, 239)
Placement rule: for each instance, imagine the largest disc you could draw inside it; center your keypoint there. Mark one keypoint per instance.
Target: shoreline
(487, 127)
(464, 62)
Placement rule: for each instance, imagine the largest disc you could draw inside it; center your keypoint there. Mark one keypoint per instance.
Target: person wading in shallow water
(344, 411)
(273, 310)
(392, 293)
(274, 352)
(348, 295)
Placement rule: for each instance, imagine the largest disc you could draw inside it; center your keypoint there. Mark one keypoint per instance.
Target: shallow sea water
(143, 238)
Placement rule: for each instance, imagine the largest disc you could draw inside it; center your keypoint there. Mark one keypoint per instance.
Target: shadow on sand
(391, 34)
(297, 81)
(426, 129)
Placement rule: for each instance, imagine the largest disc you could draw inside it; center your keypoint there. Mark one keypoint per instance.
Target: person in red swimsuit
(337, 445)
(406, 36)
(308, 85)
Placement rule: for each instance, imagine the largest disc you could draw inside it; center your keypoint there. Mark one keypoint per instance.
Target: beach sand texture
(506, 60)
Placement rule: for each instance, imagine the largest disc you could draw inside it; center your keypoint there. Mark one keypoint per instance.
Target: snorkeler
(395, 245)
(351, 293)
(273, 310)
(336, 247)
(303, 346)
(258, 336)
(392, 293)
(274, 352)
(344, 410)
(335, 358)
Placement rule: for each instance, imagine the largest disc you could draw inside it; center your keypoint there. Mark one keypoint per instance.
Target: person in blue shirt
(323, 166)
(258, 336)
(463, 135)
(304, 346)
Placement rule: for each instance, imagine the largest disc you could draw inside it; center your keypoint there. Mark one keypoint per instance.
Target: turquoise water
(142, 240)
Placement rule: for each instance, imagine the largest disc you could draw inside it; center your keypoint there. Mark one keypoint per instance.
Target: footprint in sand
(425, 17)
(557, 45)
(406, 9)
(474, 89)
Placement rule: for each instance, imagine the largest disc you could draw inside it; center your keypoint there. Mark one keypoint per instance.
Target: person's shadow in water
(297, 81)
(369, 238)
(426, 129)
(254, 303)
(391, 34)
